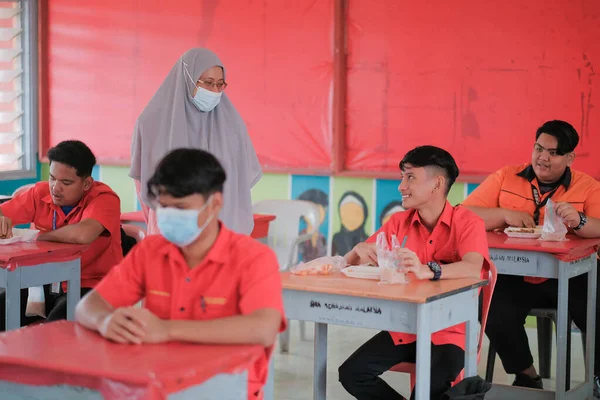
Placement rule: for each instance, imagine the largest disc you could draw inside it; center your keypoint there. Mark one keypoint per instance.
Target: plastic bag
(36, 304)
(554, 228)
(320, 266)
(390, 270)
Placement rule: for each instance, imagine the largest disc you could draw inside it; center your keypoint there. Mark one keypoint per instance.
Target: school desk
(63, 360)
(29, 264)
(260, 231)
(562, 261)
(418, 307)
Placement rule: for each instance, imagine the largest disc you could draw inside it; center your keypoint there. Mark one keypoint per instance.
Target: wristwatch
(582, 221)
(436, 269)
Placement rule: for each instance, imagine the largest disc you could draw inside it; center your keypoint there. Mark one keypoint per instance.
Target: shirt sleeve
(123, 285)
(21, 208)
(260, 286)
(487, 194)
(473, 238)
(106, 209)
(591, 206)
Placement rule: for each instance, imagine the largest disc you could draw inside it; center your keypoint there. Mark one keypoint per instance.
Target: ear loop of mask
(187, 72)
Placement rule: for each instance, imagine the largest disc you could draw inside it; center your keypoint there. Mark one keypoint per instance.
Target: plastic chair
(22, 189)
(284, 239)
(488, 291)
(135, 232)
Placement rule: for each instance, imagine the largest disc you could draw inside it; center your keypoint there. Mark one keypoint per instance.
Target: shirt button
(182, 309)
(188, 280)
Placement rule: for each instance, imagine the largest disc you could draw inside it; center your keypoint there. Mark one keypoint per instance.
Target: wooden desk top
(411, 292)
(33, 253)
(65, 352)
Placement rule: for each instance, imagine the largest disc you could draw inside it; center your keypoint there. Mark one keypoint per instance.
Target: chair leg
(284, 341)
(303, 335)
(568, 373)
(544, 336)
(491, 361)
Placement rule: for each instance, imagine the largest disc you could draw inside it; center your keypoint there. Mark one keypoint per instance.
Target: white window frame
(29, 15)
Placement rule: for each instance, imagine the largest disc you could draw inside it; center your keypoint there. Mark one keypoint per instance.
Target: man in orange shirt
(70, 208)
(443, 242)
(201, 282)
(516, 196)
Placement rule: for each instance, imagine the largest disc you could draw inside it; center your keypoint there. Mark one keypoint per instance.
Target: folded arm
(84, 232)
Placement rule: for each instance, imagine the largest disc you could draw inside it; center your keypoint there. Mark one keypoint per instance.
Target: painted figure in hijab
(389, 210)
(191, 109)
(353, 216)
(317, 246)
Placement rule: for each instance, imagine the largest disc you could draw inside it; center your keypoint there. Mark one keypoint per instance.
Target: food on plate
(514, 229)
(322, 269)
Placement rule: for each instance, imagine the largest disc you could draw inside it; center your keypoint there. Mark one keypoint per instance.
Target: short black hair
(183, 172)
(76, 154)
(431, 156)
(565, 135)
(316, 196)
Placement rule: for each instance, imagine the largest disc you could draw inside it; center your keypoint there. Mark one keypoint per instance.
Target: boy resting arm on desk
(201, 282)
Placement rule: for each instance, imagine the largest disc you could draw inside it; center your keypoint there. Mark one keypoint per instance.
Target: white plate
(21, 235)
(361, 272)
(512, 234)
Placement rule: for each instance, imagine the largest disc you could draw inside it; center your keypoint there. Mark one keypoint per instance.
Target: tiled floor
(293, 371)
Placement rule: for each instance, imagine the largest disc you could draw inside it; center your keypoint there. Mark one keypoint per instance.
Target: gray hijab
(170, 121)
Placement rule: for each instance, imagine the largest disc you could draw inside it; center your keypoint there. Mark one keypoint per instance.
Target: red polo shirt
(99, 203)
(238, 276)
(457, 232)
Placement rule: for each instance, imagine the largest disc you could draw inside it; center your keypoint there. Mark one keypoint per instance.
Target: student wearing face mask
(202, 282)
(191, 110)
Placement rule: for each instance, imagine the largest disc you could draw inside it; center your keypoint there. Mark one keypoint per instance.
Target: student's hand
(156, 330)
(569, 213)
(367, 252)
(120, 326)
(519, 219)
(5, 227)
(411, 263)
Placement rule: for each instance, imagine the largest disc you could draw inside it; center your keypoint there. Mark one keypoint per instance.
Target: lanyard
(539, 204)
(54, 221)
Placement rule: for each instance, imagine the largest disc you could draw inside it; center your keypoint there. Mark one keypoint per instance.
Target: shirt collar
(445, 216)
(529, 174)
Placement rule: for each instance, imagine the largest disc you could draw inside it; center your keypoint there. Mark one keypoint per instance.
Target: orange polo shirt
(99, 203)
(458, 231)
(238, 276)
(511, 188)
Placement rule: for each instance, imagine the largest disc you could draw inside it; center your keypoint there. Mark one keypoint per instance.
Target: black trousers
(359, 374)
(56, 307)
(513, 300)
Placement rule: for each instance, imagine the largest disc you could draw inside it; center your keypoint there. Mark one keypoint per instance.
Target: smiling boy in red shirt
(202, 282)
(444, 242)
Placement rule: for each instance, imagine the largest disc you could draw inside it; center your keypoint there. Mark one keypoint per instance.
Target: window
(18, 89)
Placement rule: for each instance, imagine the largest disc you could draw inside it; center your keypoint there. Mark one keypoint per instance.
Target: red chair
(135, 232)
(488, 291)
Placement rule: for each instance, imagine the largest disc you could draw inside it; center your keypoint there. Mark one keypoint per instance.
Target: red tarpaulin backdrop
(107, 58)
(472, 78)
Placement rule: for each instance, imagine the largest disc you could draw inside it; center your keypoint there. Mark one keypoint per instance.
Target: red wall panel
(474, 79)
(107, 57)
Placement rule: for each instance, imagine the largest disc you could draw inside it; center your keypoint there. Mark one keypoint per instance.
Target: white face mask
(204, 99)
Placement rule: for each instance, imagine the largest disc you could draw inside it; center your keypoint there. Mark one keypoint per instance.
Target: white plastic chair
(284, 239)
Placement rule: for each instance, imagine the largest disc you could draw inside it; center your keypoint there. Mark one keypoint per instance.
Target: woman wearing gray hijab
(191, 109)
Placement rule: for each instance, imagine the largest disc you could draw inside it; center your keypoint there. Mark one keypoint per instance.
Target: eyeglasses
(219, 85)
